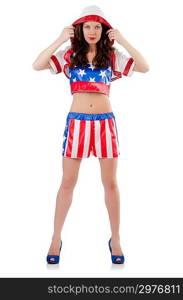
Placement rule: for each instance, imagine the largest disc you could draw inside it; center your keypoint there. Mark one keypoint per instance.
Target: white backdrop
(148, 109)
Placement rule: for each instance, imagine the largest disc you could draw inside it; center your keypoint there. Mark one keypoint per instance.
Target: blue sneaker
(56, 257)
(114, 257)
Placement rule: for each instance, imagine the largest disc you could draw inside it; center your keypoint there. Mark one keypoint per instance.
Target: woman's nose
(92, 32)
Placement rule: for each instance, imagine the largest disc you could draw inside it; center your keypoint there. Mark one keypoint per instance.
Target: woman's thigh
(108, 168)
(70, 167)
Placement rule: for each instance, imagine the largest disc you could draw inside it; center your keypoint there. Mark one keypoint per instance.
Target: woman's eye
(98, 27)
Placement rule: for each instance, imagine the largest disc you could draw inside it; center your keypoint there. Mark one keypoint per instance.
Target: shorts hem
(91, 156)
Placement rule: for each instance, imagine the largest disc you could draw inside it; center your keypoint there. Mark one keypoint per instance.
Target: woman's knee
(68, 182)
(110, 183)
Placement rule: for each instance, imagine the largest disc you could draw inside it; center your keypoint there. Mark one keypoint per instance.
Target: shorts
(90, 133)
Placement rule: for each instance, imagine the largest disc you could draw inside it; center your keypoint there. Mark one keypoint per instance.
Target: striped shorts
(90, 133)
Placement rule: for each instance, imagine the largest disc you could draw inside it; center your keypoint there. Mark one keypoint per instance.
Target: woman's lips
(92, 38)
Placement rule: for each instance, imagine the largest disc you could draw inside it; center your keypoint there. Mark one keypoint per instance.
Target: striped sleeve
(56, 62)
(124, 63)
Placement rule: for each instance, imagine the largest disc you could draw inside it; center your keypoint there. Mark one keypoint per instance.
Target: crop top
(89, 78)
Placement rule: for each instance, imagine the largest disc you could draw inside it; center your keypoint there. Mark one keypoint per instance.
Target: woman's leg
(64, 199)
(112, 199)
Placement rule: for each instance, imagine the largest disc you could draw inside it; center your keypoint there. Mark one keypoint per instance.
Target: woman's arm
(41, 61)
(140, 63)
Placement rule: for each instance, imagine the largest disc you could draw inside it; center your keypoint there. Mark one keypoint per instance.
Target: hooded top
(89, 79)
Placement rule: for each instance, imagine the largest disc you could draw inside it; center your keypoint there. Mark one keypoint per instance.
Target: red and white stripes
(96, 136)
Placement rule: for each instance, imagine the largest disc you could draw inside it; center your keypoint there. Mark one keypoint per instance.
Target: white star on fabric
(102, 73)
(74, 79)
(81, 72)
(109, 68)
(92, 79)
(91, 67)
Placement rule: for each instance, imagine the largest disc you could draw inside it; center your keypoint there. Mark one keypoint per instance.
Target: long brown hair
(80, 47)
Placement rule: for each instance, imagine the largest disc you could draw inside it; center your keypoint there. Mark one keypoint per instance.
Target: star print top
(89, 78)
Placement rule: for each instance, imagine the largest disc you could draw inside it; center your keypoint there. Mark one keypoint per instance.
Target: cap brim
(92, 18)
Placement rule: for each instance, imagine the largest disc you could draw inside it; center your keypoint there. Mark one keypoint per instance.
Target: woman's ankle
(56, 237)
(115, 237)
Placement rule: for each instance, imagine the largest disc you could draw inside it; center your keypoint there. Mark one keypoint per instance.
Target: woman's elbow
(40, 67)
(35, 67)
(146, 69)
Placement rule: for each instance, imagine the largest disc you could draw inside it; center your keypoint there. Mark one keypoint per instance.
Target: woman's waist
(95, 103)
(90, 96)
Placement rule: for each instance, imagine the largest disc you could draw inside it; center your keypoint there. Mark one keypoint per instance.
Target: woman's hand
(67, 33)
(114, 34)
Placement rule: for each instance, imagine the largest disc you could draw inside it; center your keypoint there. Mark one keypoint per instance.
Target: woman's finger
(111, 36)
(109, 31)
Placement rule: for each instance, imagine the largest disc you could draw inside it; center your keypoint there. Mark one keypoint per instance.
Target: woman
(90, 63)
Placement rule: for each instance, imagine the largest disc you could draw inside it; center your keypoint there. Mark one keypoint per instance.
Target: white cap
(92, 10)
(92, 13)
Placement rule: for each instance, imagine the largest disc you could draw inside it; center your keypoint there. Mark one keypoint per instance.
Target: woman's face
(92, 31)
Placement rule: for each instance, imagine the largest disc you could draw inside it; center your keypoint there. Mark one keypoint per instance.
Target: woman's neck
(92, 49)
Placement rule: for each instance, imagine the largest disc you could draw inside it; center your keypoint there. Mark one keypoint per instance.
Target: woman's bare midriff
(90, 103)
